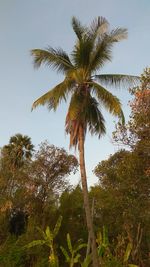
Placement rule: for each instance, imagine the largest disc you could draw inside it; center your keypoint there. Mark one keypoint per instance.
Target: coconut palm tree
(93, 48)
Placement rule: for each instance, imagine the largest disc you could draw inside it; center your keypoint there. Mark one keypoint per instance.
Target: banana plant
(103, 242)
(104, 252)
(127, 255)
(48, 240)
(72, 256)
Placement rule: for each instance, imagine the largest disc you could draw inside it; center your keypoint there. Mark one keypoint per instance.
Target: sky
(25, 25)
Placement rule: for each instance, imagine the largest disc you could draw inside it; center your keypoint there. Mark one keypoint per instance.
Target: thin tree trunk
(89, 239)
(86, 198)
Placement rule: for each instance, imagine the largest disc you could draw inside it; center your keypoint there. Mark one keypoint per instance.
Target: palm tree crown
(93, 48)
(19, 149)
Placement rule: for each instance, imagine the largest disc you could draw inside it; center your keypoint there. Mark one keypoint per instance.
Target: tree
(47, 179)
(123, 193)
(91, 50)
(136, 132)
(14, 157)
(73, 214)
(19, 150)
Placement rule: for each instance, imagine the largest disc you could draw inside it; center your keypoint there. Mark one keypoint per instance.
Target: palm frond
(103, 48)
(56, 58)
(94, 118)
(101, 54)
(118, 80)
(98, 27)
(53, 97)
(78, 28)
(108, 100)
(81, 52)
(118, 34)
(84, 110)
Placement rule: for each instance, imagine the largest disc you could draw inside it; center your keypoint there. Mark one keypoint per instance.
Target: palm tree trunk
(86, 198)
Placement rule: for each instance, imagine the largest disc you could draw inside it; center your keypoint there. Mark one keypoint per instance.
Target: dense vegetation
(35, 192)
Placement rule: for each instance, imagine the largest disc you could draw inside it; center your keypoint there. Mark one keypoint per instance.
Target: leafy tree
(73, 215)
(14, 157)
(47, 180)
(92, 49)
(13, 178)
(51, 167)
(124, 194)
(136, 132)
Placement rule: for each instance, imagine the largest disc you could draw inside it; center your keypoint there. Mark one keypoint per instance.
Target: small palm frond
(118, 80)
(54, 97)
(108, 100)
(56, 58)
(99, 26)
(78, 28)
(118, 34)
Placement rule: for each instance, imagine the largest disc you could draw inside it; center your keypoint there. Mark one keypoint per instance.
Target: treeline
(35, 192)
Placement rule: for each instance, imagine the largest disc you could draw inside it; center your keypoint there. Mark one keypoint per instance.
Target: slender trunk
(86, 198)
(89, 239)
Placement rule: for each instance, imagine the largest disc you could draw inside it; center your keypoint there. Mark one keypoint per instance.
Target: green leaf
(105, 236)
(65, 253)
(76, 259)
(80, 247)
(49, 234)
(127, 252)
(101, 251)
(35, 243)
(41, 232)
(57, 226)
(69, 243)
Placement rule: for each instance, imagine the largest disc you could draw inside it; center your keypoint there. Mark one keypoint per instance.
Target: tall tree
(91, 51)
(14, 156)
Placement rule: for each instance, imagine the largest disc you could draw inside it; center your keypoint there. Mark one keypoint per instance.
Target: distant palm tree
(91, 51)
(19, 150)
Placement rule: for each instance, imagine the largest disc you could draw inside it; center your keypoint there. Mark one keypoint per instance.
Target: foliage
(73, 215)
(11, 255)
(136, 132)
(18, 151)
(110, 255)
(124, 194)
(48, 240)
(72, 256)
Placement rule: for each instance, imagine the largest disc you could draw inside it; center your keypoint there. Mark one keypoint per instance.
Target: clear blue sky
(29, 24)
